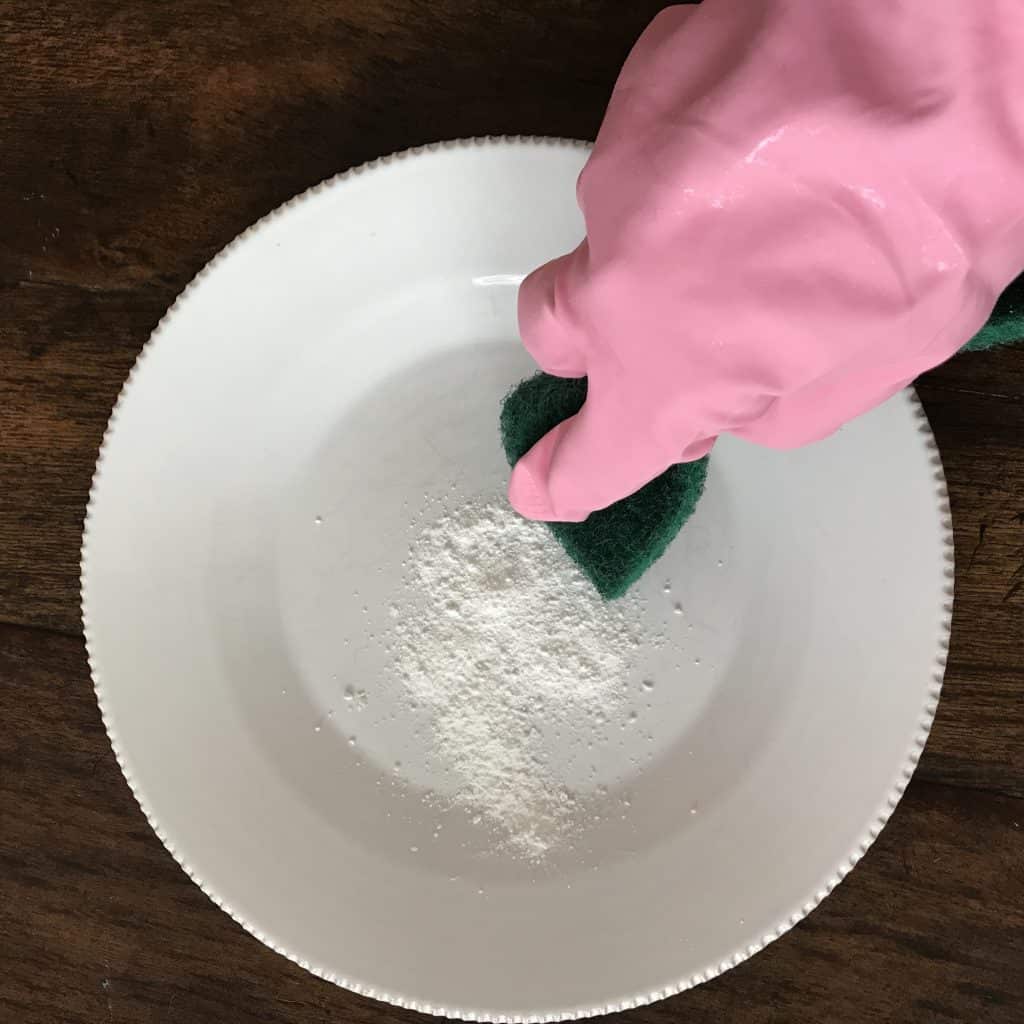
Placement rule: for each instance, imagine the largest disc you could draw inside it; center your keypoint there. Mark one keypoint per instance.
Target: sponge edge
(615, 546)
(1006, 324)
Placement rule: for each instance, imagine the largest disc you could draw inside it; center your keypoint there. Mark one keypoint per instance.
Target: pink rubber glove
(794, 207)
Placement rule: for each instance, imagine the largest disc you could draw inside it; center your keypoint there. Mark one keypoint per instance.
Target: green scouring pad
(1006, 324)
(617, 545)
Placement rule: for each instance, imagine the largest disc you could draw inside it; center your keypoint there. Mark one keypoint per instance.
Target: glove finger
(588, 462)
(545, 323)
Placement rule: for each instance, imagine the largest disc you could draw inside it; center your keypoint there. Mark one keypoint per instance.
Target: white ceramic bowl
(339, 361)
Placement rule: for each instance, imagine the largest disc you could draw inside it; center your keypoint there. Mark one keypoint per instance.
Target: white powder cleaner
(503, 642)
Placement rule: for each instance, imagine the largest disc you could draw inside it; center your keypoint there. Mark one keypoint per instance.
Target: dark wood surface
(135, 141)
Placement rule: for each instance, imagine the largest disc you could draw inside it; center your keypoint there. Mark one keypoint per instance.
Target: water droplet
(632, 716)
(696, 661)
(647, 684)
(316, 728)
(694, 809)
(351, 741)
(677, 608)
(318, 521)
(414, 849)
(283, 692)
(720, 563)
(350, 694)
(668, 587)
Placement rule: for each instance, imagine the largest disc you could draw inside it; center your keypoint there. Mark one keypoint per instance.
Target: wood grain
(137, 141)
(140, 141)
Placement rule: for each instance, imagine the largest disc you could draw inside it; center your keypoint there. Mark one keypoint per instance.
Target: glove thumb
(586, 463)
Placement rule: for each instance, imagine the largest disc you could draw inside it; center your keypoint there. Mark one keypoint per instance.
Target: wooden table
(135, 141)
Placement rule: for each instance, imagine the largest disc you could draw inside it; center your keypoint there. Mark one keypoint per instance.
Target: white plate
(340, 361)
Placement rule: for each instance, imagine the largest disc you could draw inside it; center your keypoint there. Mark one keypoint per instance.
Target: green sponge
(617, 545)
(1006, 324)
